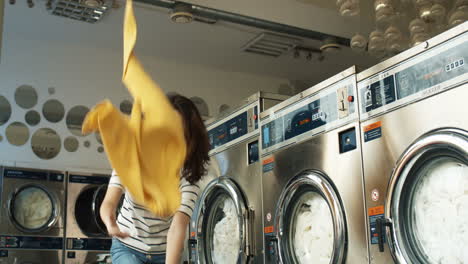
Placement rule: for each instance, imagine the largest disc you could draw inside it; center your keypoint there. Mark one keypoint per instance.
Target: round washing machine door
(223, 227)
(310, 223)
(87, 214)
(32, 208)
(427, 204)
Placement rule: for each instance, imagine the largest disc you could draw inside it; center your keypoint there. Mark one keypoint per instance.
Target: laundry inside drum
(32, 208)
(311, 228)
(225, 234)
(440, 211)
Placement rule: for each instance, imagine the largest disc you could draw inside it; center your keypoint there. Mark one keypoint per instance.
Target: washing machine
(313, 204)
(86, 239)
(226, 227)
(415, 152)
(32, 222)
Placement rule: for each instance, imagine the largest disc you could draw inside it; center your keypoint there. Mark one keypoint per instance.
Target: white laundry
(33, 208)
(441, 212)
(226, 237)
(313, 234)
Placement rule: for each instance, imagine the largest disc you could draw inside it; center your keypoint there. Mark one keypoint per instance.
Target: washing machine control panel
(236, 127)
(30, 242)
(34, 175)
(329, 108)
(419, 77)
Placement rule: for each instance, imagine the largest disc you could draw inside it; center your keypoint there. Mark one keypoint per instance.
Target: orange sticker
(192, 234)
(372, 126)
(268, 161)
(378, 210)
(269, 229)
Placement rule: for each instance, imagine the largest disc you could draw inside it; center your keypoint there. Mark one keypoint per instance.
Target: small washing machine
(86, 239)
(415, 152)
(227, 225)
(313, 208)
(32, 222)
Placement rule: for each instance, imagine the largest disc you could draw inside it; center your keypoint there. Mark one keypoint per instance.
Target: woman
(138, 235)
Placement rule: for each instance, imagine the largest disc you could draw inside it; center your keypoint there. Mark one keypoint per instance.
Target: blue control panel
(89, 244)
(88, 179)
(33, 175)
(29, 242)
(423, 74)
(330, 107)
(228, 131)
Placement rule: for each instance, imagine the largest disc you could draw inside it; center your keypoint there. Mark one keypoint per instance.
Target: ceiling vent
(269, 44)
(89, 11)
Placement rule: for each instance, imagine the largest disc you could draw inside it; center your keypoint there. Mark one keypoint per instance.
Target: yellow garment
(148, 149)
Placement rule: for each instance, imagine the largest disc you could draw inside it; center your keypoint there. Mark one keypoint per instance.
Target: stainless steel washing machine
(415, 152)
(86, 238)
(227, 225)
(32, 222)
(313, 208)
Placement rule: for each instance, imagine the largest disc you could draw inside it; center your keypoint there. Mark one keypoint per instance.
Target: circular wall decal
(87, 144)
(17, 133)
(32, 118)
(126, 107)
(201, 105)
(100, 149)
(75, 118)
(46, 143)
(71, 144)
(51, 90)
(26, 96)
(5, 110)
(53, 110)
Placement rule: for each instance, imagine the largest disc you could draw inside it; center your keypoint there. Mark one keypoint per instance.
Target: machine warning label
(268, 164)
(269, 230)
(373, 131)
(374, 214)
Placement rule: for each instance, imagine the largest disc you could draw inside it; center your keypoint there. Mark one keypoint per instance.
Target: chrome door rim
(320, 182)
(230, 188)
(454, 139)
(55, 208)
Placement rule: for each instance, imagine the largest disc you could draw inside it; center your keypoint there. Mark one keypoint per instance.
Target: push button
(350, 98)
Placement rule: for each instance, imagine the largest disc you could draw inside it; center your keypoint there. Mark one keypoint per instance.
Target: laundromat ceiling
(220, 45)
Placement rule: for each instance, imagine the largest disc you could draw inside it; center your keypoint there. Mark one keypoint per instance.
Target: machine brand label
(374, 214)
(268, 164)
(373, 131)
(269, 229)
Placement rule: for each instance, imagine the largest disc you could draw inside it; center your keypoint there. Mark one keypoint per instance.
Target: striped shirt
(148, 233)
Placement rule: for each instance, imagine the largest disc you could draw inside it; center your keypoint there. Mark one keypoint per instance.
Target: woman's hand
(107, 211)
(114, 231)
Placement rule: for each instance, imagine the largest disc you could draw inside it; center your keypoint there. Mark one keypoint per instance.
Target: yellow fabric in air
(148, 149)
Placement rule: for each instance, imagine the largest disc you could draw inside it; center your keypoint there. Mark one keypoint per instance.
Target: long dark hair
(196, 137)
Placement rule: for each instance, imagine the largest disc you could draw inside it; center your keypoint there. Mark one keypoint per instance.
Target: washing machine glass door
(310, 222)
(222, 224)
(427, 203)
(87, 214)
(32, 208)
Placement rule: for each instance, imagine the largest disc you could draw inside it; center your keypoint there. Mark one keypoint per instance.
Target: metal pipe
(220, 15)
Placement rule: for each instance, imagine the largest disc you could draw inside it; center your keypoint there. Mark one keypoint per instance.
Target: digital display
(304, 121)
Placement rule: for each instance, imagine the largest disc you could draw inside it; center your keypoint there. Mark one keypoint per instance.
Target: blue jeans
(122, 254)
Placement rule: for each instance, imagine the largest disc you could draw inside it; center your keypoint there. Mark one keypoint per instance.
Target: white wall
(88, 71)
